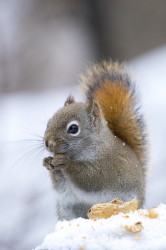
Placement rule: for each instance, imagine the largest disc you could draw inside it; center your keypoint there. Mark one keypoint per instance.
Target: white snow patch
(108, 233)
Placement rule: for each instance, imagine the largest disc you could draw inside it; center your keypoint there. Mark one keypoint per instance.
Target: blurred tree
(46, 43)
(128, 28)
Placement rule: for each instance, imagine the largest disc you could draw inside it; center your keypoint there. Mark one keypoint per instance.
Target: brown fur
(116, 103)
(110, 85)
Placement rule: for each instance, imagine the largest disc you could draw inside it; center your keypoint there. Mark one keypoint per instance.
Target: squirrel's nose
(50, 145)
(46, 143)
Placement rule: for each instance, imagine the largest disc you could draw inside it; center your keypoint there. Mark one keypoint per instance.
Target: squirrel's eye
(73, 128)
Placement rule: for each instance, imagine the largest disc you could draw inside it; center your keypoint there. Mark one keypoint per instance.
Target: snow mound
(108, 233)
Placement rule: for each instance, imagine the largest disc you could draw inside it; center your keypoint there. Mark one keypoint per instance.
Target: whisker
(35, 155)
(40, 153)
(32, 133)
(28, 140)
(44, 123)
(35, 147)
(28, 154)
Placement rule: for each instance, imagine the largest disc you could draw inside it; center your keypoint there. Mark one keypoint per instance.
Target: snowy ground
(26, 195)
(111, 233)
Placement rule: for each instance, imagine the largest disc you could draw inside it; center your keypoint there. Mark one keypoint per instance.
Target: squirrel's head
(73, 128)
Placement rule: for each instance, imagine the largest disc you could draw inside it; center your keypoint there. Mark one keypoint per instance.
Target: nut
(106, 210)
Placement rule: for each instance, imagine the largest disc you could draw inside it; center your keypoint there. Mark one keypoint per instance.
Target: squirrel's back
(111, 86)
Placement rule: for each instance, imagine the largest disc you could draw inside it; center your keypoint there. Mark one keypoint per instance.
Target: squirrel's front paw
(59, 162)
(47, 162)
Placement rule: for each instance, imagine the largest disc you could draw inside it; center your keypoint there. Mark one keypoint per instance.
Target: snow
(108, 233)
(149, 71)
(26, 196)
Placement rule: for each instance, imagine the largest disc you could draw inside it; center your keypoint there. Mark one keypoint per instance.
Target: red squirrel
(99, 146)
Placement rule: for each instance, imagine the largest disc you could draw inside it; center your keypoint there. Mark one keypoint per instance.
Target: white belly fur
(72, 195)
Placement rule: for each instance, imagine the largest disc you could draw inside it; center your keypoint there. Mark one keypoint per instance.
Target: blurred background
(44, 46)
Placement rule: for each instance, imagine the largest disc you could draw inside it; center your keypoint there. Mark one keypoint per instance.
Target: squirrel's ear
(69, 100)
(93, 108)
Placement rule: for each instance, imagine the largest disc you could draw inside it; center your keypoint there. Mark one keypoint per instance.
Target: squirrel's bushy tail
(110, 85)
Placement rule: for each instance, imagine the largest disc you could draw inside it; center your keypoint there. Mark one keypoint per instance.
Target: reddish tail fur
(110, 84)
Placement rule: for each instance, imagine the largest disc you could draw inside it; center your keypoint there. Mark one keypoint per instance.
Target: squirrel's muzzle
(50, 145)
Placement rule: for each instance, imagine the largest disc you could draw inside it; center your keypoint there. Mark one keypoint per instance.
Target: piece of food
(134, 228)
(152, 213)
(106, 210)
